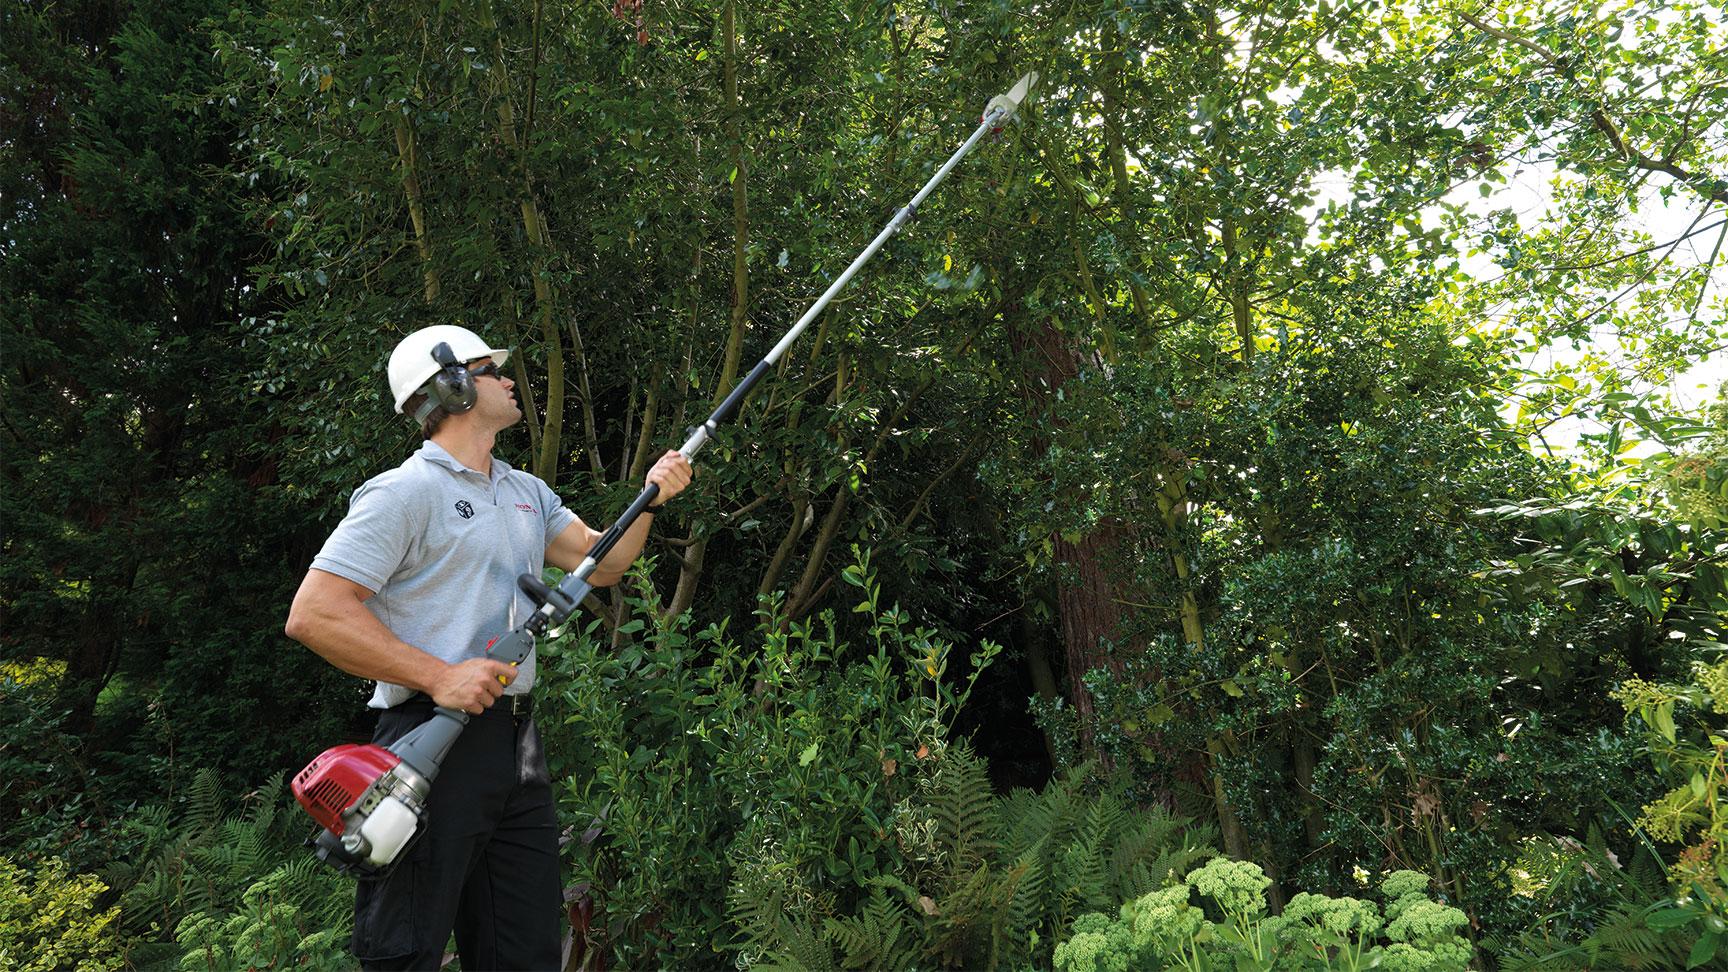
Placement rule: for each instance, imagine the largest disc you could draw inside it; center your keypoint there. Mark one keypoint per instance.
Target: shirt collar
(437, 455)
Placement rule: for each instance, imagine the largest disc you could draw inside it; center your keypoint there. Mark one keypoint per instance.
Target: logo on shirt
(524, 507)
(465, 509)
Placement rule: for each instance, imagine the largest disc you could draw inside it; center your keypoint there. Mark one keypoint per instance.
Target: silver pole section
(905, 213)
(1000, 111)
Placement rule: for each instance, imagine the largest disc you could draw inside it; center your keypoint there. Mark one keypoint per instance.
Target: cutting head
(1006, 106)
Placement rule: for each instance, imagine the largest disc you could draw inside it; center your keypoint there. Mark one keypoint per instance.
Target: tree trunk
(410, 156)
(1087, 600)
(407, 151)
(534, 229)
(696, 552)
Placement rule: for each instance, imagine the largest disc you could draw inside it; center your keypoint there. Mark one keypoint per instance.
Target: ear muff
(451, 389)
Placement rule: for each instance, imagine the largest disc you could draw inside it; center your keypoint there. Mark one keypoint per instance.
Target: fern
(807, 948)
(1084, 870)
(962, 807)
(1028, 818)
(1620, 940)
(1159, 853)
(206, 800)
(882, 936)
(271, 929)
(1616, 934)
(1025, 923)
(206, 855)
(990, 882)
(775, 912)
(1624, 940)
(973, 908)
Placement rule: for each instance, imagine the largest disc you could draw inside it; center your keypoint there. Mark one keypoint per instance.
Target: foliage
(282, 923)
(994, 882)
(1693, 814)
(52, 803)
(51, 920)
(1166, 929)
(1185, 390)
(1602, 912)
(1270, 418)
(1356, 700)
(812, 784)
(698, 753)
(148, 538)
(1642, 547)
(1619, 105)
(229, 883)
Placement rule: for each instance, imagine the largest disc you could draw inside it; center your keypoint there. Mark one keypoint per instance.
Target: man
(408, 590)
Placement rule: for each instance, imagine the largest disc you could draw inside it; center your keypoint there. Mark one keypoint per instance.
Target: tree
(145, 529)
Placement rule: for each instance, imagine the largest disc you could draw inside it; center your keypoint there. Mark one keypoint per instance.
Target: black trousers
(486, 865)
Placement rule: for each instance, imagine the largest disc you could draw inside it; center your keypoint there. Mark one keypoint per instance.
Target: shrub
(814, 786)
(1169, 929)
(232, 883)
(698, 752)
(281, 924)
(51, 923)
(991, 882)
(53, 803)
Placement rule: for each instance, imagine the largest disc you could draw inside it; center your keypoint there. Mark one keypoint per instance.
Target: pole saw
(369, 800)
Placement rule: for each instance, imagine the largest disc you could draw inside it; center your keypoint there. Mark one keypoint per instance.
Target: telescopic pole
(558, 603)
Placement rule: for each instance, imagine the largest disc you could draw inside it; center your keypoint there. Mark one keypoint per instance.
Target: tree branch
(1714, 190)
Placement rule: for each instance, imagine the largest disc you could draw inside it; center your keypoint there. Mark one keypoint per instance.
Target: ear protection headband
(451, 389)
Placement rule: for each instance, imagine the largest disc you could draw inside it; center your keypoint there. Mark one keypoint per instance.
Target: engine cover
(369, 800)
(336, 780)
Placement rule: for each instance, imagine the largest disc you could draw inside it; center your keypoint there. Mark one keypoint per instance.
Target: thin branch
(1634, 285)
(1713, 190)
(923, 497)
(1542, 52)
(1692, 315)
(747, 507)
(1649, 249)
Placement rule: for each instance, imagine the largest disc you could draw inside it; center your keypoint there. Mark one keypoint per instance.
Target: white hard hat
(412, 364)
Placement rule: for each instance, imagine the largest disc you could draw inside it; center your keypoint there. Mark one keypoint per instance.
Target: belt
(521, 705)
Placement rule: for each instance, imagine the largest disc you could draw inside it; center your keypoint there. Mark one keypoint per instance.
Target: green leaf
(1703, 950)
(809, 755)
(1664, 719)
(1670, 917)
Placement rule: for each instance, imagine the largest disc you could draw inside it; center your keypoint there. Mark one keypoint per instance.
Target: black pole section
(735, 399)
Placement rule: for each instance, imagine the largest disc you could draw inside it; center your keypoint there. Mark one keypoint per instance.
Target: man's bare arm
(329, 616)
(671, 473)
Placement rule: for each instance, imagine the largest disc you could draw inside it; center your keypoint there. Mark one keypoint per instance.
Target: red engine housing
(329, 785)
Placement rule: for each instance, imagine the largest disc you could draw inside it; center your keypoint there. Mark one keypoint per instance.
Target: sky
(1528, 195)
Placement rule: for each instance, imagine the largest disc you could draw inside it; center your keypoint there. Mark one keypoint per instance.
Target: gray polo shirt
(440, 546)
